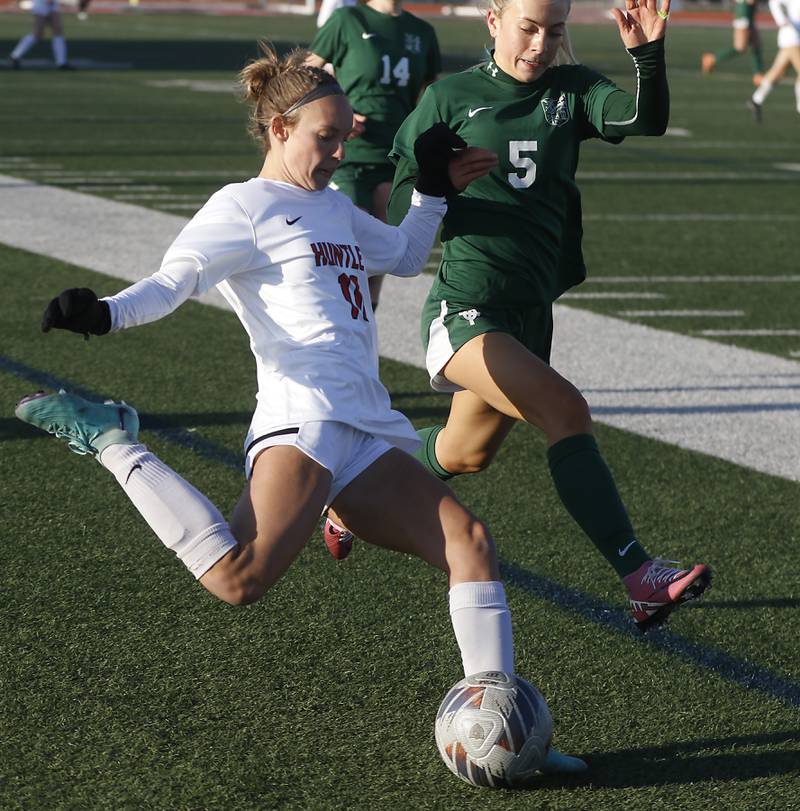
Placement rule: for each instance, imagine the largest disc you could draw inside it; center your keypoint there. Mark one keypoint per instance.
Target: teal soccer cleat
(88, 427)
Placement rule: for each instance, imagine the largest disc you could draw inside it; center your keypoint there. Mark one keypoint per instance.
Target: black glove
(433, 150)
(77, 310)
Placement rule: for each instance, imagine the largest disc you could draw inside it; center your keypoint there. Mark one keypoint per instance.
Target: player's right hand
(469, 164)
(78, 310)
(359, 126)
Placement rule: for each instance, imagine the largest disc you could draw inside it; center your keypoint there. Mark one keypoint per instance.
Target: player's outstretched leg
(655, 590)
(184, 520)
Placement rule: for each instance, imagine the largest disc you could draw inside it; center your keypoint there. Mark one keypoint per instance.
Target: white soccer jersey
(293, 264)
(787, 15)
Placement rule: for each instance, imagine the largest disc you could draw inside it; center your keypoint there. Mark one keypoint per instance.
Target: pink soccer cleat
(338, 539)
(656, 590)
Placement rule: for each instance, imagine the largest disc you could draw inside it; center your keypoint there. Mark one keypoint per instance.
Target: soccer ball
(494, 729)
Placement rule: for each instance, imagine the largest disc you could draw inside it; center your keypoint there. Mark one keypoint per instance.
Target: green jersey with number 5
(382, 63)
(514, 236)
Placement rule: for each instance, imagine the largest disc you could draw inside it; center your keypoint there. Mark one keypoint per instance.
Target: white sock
(23, 46)
(762, 91)
(59, 46)
(482, 625)
(797, 95)
(183, 518)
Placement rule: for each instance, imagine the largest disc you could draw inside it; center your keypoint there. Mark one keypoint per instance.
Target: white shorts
(741, 22)
(343, 450)
(788, 36)
(41, 8)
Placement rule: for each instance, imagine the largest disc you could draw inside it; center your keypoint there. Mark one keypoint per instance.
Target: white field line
(197, 198)
(754, 147)
(690, 176)
(681, 313)
(198, 85)
(732, 403)
(84, 177)
(610, 296)
(721, 279)
(749, 333)
(118, 187)
(112, 173)
(788, 167)
(678, 132)
(692, 217)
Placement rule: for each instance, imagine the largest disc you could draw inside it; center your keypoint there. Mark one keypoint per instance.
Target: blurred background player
(45, 12)
(383, 57)
(745, 33)
(327, 7)
(787, 16)
(83, 5)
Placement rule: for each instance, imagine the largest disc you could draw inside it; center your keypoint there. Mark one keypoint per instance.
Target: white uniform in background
(42, 8)
(329, 6)
(786, 14)
(293, 264)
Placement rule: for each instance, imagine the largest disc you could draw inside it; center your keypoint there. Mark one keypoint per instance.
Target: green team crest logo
(556, 111)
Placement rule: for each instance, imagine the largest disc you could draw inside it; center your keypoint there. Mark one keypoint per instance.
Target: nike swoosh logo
(623, 552)
(137, 466)
(292, 222)
(365, 35)
(474, 112)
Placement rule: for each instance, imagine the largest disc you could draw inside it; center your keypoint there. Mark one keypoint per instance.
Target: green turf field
(125, 685)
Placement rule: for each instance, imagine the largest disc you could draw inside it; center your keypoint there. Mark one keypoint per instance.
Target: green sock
(587, 489)
(758, 58)
(725, 53)
(427, 452)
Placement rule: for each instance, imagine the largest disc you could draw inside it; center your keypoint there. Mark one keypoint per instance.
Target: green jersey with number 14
(382, 62)
(514, 236)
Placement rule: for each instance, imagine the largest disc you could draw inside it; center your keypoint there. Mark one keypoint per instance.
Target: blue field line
(732, 669)
(177, 436)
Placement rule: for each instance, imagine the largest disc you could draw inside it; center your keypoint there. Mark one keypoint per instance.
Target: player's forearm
(154, 297)
(647, 111)
(400, 199)
(420, 226)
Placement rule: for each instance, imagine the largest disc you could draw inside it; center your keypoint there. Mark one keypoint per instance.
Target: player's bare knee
(233, 584)
(569, 415)
(476, 558)
(238, 591)
(469, 461)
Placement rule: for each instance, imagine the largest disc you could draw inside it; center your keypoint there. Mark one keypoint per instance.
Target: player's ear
(491, 22)
(278, 128)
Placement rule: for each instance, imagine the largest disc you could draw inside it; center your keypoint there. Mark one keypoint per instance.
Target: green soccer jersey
(382, 62)
(513, 237)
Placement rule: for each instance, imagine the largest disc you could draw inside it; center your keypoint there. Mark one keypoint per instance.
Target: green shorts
(359, 180)
(447, 327)
(744, 15)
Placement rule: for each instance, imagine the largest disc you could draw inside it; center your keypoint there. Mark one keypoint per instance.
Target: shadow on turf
(690, 762)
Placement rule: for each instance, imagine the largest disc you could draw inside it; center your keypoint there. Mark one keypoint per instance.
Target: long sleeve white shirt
(294, 265)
